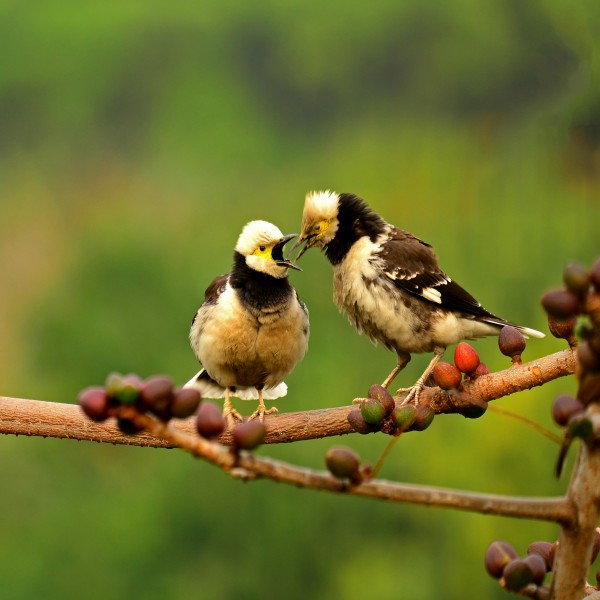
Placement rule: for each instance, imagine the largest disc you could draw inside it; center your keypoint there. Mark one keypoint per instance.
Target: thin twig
(517, 417)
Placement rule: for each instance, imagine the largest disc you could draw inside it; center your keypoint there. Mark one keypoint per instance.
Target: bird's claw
(359, 401)
(414, 393)
(260, 412)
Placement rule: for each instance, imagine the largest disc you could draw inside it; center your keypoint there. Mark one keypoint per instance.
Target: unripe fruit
(209, 420)
(564, 407)
(358, 423)
(379, 393)
(466, 358)
(543, 549)
(511, 342)
(561, 304)
(576, 278)
(517, 574)
(423, 417)
(538, 567)
(343, 462)
(94, 403)
(122, 390)
(580, 426)
(446, 375)
(249, 435)
(497, 556)
(404, 416)
(157, 395)
(372, 411)
(185, 402)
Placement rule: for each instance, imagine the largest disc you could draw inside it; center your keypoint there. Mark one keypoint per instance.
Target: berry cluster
(378, 412)
(526, 575)
(578, 302)
(129, 398)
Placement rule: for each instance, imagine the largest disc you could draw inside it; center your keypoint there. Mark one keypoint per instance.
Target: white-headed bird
(252, 329)
(389, 284)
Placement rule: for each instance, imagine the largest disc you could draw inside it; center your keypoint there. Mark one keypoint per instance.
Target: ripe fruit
(466, 358)
(379, 393)
(185, 402)
(157, 394)
(446, 375)
(576, 278)
(564, 407)
(94, 403)
(511, 342)
(517, 574)
(209, 420)
(561, 304)
(497, 556)
(249, 435)
(538, 567)
(543, 549)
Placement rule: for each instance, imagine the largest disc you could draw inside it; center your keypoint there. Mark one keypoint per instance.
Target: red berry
(446, 375)
(94, 403)
(466, 358)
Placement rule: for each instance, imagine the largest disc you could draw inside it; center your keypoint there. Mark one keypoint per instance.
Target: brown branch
(50, 419)
(250, 466)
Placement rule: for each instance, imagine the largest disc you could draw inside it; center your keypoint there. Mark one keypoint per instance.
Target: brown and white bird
(389, 283)
(252, 329)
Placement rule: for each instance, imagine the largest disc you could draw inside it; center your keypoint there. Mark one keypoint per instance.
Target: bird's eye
(317, 227)
(262, 248)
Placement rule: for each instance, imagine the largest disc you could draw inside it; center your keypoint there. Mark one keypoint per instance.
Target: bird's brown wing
(412, 266)
(213, 291)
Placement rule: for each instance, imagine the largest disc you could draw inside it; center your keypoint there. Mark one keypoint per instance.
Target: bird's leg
(229, 413)
(403, 360)
(415, 390)
(262, 410)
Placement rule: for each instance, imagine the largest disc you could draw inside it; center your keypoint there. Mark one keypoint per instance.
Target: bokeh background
(136, 139)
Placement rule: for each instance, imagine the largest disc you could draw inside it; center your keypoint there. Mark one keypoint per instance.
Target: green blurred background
(136, 139)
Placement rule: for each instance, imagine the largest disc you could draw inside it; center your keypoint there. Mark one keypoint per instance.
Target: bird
(389, 284)
(252, 328)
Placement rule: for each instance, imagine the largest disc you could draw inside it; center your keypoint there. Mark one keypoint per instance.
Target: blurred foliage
(137, 139)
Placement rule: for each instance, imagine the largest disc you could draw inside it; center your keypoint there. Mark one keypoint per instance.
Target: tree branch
(51, 419)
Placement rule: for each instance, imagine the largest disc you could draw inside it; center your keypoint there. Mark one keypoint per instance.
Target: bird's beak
(309, 241)
(277, 253)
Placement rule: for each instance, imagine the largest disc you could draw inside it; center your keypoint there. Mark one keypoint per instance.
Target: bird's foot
(413, 393)
(261, 411)
(230, 414)
(359, 400)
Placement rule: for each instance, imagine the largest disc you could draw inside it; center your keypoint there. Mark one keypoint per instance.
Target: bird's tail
(528, 332)
(209, 388)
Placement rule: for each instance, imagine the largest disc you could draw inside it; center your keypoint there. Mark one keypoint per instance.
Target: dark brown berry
(343, 462)
(511, 342)
(94, 403)
(185, 402)
(538, 567)
(542, 549)
(249, 435)
(497, 556)
(446, 375)
(372, 411)
(209, 420)
(379, 393)
(157, 394)
(466, 358)
(470, 407)
(588, 359)
(517, 574)
(358, 423)
(576, 278)
(423, 417)
(564, 407)
(563, 328)
(561, 304)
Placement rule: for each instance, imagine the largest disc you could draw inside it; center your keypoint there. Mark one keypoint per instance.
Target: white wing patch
(432, 294)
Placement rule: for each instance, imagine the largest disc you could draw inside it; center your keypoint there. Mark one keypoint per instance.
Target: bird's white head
(319, 220)
(261, 243)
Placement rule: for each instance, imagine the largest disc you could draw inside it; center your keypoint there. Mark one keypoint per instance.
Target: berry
(466, 358)
(543, 549)
(563, 328)
(588, 358)
(372, 411)
(157, 394)
(446, 375)
(94, 403)
(379, 393)
(564, 407)
(185, 402)
(576, 278)
(517, 574)
(511, 342)
(209, 420)
(561, 304)
(249, 435)
(482, 369)
(343, 462)
(423, 417)
(538, 567)
(357, 422)
(497, 556)
(404, 416)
